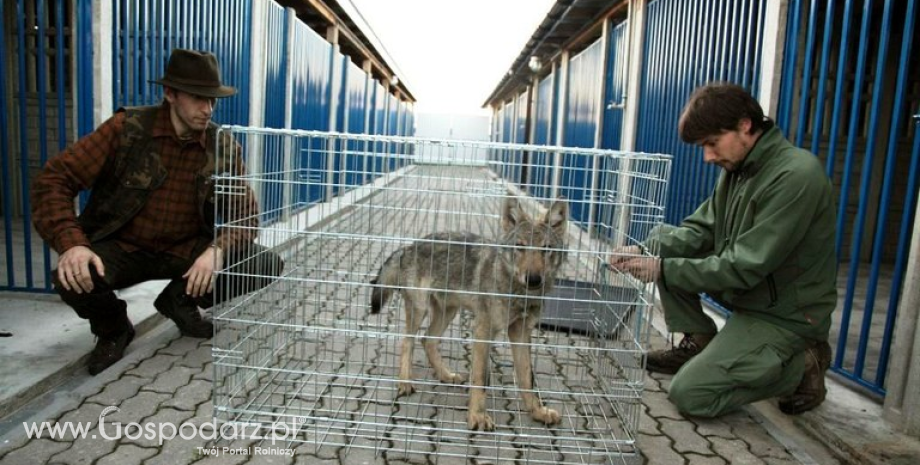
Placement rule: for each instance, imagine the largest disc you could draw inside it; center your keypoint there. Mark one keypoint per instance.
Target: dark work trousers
(247, 268)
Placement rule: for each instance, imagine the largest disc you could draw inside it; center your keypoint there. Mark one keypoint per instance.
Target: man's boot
(811, 390)
(670, 360)
(174, 304)
(109, 349)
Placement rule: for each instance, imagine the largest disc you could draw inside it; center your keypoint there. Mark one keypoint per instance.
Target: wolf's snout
(534, 280)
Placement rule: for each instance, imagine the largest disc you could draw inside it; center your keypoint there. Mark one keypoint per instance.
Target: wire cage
(306, 360)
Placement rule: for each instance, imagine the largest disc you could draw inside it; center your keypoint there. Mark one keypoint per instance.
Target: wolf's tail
(387, 277)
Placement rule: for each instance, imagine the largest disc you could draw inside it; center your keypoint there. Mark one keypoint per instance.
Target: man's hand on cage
(200, 277)
(623, 254)
(632, 260)
(73, 269)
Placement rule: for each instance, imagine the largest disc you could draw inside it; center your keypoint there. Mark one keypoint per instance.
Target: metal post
(771, 63)
(902, 405)
(634, 74)
(561, 119)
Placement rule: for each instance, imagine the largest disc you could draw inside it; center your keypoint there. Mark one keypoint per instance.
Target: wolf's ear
(557, 215)
(512, 214)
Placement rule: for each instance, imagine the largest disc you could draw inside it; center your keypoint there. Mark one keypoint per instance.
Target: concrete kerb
(67, 371)
(75, 388)
(51, 344)
(852, 427)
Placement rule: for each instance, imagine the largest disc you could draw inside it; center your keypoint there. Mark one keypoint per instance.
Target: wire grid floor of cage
(305, 351)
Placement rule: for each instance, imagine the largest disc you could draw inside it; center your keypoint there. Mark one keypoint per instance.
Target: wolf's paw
(405, 389)
(454, 378)
(480, 422)
(546, 416)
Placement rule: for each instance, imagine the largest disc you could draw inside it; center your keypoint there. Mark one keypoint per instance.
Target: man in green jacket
(762, 245)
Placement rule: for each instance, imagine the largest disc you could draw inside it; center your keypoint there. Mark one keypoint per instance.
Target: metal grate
(306, 359)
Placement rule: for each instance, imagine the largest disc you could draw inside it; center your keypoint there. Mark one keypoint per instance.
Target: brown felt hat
(196, 73)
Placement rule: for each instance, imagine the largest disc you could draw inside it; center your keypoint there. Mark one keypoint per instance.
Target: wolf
(501, 282)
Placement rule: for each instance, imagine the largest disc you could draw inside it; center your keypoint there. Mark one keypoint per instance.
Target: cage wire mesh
(306, 357)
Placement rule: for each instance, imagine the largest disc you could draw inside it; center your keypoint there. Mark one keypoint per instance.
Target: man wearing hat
(152, 211)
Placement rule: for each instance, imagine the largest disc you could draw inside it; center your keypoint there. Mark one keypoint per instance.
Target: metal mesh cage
(306, 360)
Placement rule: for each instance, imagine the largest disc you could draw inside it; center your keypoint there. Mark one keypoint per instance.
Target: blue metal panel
(615, 90)
(516, 161)
(508, 124)
(145, 32)
(275, 58)
(392, 124)
(311, 77)
(614, 103)
(275, 66)
(543, 116)
(540, 175)
(84, 13)
(378, 115)
(356, 89)
(581, 115)
(688, 44)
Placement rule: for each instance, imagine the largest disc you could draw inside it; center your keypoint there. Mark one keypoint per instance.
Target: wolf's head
(534, 250)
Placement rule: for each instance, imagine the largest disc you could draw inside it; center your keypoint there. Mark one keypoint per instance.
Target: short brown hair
(716, 108)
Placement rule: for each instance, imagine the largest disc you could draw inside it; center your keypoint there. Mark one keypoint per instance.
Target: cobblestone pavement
(171, 384)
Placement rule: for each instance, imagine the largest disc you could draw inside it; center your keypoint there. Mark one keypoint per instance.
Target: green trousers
(748, 360)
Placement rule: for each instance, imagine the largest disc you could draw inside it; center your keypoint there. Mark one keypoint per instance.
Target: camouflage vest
(135, 171)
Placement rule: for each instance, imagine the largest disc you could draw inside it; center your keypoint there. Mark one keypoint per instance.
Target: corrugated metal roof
(360, 42)
(566, 22)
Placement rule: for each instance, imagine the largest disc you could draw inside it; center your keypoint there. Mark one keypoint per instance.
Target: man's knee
(692, 397)
(100, 295)
(254, 259)
(272, 264)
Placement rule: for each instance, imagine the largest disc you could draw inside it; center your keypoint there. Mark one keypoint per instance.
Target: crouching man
(151, 212)
(763, 246)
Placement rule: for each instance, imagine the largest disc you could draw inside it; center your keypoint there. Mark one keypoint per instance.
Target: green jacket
(763, 242)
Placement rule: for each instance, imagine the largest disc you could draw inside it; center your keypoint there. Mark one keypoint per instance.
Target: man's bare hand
(73, 269)
(623, 254)
(200, 277)
(630, 259)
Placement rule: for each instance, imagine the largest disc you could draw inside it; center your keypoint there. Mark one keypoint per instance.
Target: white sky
(453, 52)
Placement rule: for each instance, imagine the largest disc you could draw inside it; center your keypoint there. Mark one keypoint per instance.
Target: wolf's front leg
(519, 335)
(477, 417)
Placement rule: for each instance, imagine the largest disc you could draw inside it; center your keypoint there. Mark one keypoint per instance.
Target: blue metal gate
(688, 44)
(850, 85)
(39, 89)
